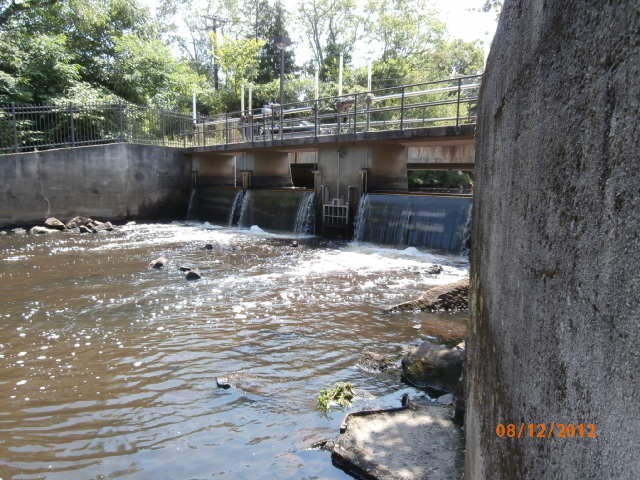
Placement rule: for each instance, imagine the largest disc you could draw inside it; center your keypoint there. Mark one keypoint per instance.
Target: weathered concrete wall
(215, 168)
(556, 243)
(112, 182)
(444, 152)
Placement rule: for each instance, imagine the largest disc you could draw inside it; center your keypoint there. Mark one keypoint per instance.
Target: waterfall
(215, 203)
(278, 210)
(191, 204)
(236, 209)
(437, 223)
(305, 216)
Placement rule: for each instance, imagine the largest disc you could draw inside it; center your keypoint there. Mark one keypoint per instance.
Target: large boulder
(434, 366)
(53, 222)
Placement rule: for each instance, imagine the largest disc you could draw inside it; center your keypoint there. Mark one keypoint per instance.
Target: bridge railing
(428, 104)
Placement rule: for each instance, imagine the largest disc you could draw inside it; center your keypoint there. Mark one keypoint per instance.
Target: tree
(269, 25)
(331, 27)
(239, 62)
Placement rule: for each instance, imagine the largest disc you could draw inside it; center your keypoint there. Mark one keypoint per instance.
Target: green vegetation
(439, 179)
(341, 394)
(91, 51)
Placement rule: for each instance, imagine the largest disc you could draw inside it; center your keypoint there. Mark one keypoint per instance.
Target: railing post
(402, 110)
(226, 128)
(282, 119)
(458, 102)
(73, 128)
(316, 118)
(15, 127)
(355, 113)
(121, 120)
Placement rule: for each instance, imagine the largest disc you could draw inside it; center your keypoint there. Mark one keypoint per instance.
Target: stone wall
(112, 182)
(556, 243)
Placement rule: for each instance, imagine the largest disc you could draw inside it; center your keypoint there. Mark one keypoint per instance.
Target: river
(109, 367)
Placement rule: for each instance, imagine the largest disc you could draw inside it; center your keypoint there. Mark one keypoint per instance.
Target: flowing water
(109, 367)
(440, 223)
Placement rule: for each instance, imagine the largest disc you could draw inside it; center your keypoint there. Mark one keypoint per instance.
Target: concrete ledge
(417, 134)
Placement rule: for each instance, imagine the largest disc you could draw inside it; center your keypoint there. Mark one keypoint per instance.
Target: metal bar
(458, 104)
(226, 128)
(402, 111)
(15, 126)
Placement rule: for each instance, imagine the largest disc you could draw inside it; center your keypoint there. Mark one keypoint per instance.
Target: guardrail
(428, 104)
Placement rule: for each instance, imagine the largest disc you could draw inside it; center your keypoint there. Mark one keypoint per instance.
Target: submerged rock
(53, 222)
(452, 297)
(185, 269)
(37, 230)
(375, 362)
(193, 274)
(2, 232)
(18, 231)
(85, 229)
(434, 366)
(158, 262)
(434, 270)
(208, 246)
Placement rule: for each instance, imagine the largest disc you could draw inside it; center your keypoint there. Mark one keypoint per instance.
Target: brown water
(108, 367)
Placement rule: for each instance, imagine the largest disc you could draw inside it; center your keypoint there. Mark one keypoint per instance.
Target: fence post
(15, 127)
(355, 113)
(226, 128)
(121, 120)
(73, 128)
(458, 102)
(316, 118)
(402, 110)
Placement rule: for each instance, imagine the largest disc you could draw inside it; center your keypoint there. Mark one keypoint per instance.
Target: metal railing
(429, 104)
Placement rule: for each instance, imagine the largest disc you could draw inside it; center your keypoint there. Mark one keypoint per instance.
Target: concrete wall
(444, 152)
(112, 182)
(556, 244)
(215, 168)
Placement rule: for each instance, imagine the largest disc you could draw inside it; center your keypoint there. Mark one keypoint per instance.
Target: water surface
(108, 367)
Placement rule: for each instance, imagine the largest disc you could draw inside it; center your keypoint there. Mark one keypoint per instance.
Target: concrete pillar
(555, 247)
(388, 167)
(270, 168)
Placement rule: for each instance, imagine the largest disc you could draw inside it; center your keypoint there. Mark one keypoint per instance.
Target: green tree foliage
(58, 48)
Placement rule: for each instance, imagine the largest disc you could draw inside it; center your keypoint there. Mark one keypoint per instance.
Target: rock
(158, 262)
(53, 222)
(97, 226)
(208, 246)
(452, 297)
(413, 443)
(374, 362)
(193, 274)
(78, 222)
(85, 229)
(294, 244)
(2, 233)
(434, 270)
(18, 231)
(223, 382)
(185, 269)
(434, 366)
(37, 230)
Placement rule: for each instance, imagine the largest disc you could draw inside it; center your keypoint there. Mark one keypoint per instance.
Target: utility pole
(216, 21)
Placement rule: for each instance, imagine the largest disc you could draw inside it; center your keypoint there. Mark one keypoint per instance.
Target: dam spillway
(423, 221)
